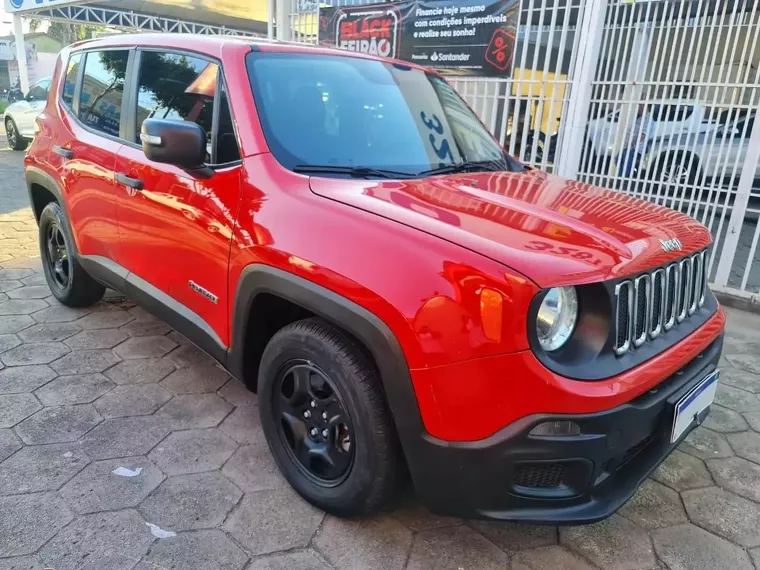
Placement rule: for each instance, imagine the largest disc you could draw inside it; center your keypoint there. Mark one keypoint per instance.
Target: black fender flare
(35, 175)
(362, 324)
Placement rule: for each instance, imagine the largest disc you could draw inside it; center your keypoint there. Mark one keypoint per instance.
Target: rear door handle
(64, 152)
(135, 183)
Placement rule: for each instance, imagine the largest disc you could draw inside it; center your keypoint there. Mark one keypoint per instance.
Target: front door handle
(135, 183)
(64, 152)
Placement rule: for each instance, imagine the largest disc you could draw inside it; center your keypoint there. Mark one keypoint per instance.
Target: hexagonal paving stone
(58, 424)
(724, 514)
(16, 407)
(195, 380)
(191, 502)
(152, 327)
(189, 355)
(9, 443)
(706, 444)
(303, 560)
(736, 399)
(98, 339)
(149, 370)
(290, 521)
(753, 418)
(687, 546)
(9, 285)
(36, 279)
(244, 426)
(654, 506)
(98, 488)
(512, 537)
(85, 362)
(252, 468)
(453, 549)
(740, 379)
(723, 420)
(681, 471)
(124, 437)
(110, 319)
(613, 544)
(29, 521)
(77, 389)
(746, 445)
(21, 563)
(745, 361)
(197, 550)
(112, 540)
(41, 468)
(51, 332)
(21, 306)
(35, 353)
(193, 451)
(737, 475)
(14, 324)
(549, 558)
(145, 347)
(237, 394)
(195, 411)
(59, 314)
(132, 400)
(23, 379)
(8, 341)
(415, 516)
(30, 292)
(374, 543)
(15, 273)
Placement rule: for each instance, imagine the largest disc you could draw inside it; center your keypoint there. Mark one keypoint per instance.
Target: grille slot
(539, 475)
(654, 303)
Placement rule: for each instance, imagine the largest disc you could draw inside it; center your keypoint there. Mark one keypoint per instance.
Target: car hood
(555, 231)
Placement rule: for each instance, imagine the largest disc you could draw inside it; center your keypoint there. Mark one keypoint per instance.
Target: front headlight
(556, 317)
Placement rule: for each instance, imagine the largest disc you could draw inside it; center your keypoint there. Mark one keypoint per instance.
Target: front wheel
(67, 279)
(326, 421)
(15, 140)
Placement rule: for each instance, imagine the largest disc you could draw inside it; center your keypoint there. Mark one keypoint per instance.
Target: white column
(270, 18)
(282, 17)
(573, 127)
(736, 222)
(23, 72)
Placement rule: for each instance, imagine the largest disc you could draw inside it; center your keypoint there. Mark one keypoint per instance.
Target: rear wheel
(67, 279)
(678, 169)
(326, 420)
(15, 140)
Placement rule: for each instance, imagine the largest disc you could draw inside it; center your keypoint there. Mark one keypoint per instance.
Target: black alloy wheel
(57, 255)
(313, 422)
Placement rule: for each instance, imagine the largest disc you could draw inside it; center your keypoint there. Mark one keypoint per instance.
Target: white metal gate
(655, 98)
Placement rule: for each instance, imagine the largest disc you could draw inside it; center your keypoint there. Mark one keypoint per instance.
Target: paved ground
(111, 423)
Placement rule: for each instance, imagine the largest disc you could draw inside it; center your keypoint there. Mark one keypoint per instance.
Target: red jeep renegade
(345, 237)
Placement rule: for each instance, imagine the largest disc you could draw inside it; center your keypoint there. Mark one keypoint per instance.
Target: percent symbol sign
(499, 47)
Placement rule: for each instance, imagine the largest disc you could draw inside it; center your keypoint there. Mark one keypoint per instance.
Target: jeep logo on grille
(671, 244)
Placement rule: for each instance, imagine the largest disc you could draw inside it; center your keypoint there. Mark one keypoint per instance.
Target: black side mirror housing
(181, 143)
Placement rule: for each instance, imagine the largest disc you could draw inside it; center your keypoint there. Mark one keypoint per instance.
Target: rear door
(176, 226)
(84, 149)
(30, 107)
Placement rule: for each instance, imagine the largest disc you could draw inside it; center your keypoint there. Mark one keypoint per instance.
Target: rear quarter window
(69, 84)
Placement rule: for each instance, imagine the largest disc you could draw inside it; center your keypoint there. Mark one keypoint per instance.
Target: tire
(67, 280)
(15, 140)
(326, 354)
(676, 169)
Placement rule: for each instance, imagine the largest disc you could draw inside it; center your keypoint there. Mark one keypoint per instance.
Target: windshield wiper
(353, 171)
(468, 166)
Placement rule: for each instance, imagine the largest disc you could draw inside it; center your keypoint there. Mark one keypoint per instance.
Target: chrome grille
(654, 303)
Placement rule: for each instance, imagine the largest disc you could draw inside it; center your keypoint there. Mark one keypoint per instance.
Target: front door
(176, 227)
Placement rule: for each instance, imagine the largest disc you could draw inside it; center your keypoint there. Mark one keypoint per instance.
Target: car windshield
(344, 114)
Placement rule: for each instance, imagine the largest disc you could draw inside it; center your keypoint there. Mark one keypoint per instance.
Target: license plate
(689, 408)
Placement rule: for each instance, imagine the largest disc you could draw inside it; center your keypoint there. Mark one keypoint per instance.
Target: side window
(69, 84)
(226, 143)
(39, 91)
(176, 86)
(103, 90)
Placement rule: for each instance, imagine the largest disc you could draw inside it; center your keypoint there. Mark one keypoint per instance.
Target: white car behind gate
(20, 116)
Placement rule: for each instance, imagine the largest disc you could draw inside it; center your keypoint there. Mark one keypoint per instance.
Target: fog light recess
(554, 429)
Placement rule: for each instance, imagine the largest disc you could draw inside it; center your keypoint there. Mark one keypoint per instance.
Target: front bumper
(578, 479)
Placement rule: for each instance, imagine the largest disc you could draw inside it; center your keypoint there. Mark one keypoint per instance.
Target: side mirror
(181, 143)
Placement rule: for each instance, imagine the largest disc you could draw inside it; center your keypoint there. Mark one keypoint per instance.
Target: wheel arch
(43, 189)
(368, 329)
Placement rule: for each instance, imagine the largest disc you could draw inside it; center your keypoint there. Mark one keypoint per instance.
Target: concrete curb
(737, 299)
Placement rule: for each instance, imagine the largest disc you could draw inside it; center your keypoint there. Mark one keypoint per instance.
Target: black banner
(464, 37)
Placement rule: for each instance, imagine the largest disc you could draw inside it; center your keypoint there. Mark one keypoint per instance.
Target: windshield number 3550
(443, 151)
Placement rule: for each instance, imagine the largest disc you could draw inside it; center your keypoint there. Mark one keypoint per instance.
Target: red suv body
(344, 236)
